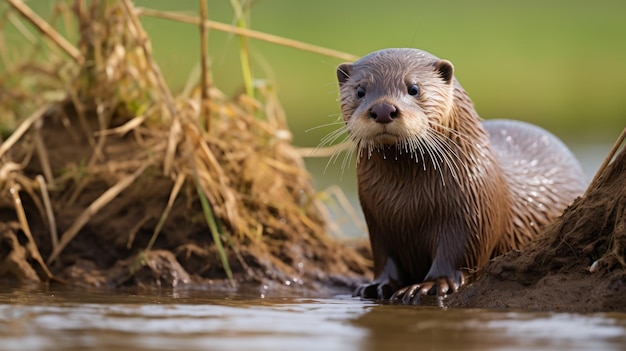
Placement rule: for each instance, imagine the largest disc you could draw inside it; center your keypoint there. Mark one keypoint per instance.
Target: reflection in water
(72, 319)
(434, 329)
(180, 320)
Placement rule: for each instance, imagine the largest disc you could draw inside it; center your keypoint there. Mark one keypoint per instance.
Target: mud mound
(147, 188)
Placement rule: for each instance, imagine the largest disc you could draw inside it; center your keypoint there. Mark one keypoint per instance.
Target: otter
(443, 192)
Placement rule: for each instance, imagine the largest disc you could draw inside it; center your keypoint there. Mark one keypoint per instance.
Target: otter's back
(543, 174)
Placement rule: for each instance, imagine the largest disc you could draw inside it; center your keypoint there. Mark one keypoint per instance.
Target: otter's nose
(383, 112)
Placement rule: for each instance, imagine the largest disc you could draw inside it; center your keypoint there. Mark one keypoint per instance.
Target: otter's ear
(445, 69)
(343, 72)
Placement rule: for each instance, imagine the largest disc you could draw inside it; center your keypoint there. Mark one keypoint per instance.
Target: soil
(151, 189)
(578, 264)
(110, 250)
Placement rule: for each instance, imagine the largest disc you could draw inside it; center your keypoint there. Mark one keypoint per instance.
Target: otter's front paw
(374, 290)
(441, 286)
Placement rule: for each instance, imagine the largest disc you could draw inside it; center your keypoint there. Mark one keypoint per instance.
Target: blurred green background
(559, 64)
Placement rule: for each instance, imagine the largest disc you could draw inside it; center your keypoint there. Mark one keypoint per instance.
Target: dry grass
(239, 171)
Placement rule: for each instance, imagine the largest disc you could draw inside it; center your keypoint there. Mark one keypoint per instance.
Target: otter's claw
(411, 294)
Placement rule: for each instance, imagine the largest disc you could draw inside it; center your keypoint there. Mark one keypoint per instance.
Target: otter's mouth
(385, 138)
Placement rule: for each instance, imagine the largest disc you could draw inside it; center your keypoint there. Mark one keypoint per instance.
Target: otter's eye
(360, 92)
(414, 90)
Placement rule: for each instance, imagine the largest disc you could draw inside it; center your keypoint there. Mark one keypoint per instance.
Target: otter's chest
(399, 191)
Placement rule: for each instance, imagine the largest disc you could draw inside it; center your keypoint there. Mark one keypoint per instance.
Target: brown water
(75, 319)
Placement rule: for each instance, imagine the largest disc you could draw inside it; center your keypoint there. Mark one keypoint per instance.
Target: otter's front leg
(383, 286)
(444, 276)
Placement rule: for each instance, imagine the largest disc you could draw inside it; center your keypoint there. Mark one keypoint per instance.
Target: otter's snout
(383, 112)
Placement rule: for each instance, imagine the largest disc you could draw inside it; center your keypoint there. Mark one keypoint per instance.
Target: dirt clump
(113, 181)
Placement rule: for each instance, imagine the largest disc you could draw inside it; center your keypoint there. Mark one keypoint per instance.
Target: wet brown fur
(430, 216)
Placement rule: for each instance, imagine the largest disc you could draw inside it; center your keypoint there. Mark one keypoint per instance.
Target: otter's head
(394, 96)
